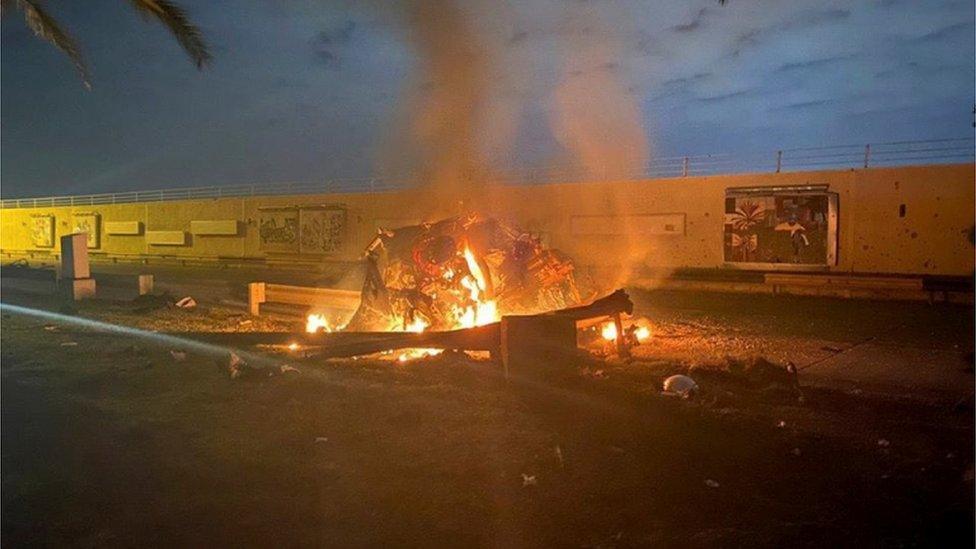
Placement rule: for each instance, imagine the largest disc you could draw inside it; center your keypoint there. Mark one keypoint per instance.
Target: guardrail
(883, 154)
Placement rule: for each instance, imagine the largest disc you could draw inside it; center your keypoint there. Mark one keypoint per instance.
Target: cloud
(805, 104)
(814, 63)
(945, 33)
(726, 96)
(326, 44)
(695, 22)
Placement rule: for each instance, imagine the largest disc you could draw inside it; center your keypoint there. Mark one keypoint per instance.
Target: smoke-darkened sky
(308, 90)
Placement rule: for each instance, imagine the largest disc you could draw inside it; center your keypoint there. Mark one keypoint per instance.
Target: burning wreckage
(468, 283)
(459, 273)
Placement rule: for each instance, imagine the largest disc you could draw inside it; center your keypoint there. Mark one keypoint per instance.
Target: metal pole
(867, 154)
(684, 168)
(779, 161)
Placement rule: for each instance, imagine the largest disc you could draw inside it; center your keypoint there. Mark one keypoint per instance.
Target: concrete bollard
(76, 280)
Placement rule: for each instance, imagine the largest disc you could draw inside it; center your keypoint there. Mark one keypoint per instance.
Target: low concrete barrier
(262, 292)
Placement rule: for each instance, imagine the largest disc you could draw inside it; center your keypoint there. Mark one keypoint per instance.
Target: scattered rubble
(235, 365)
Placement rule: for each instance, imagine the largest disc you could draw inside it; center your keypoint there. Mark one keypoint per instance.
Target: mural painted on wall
(278, 229)
(42, 231)
(86, 223)
(776, 228)
(321, 230)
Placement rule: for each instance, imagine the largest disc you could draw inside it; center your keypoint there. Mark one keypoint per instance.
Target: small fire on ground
(640, 332)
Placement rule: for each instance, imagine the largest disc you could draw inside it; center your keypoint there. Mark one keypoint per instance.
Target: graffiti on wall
(313, 230)
(779, 228)
(86, 223)
(278, 229)
(42, 231)
(321, 230)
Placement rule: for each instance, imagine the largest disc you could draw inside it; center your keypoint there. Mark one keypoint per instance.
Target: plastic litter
(186, 303)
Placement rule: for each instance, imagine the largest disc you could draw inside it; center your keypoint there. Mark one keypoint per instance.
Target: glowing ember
(293, 346)
(642, 333)
(317, 323)
(609, 331)
(410, 354)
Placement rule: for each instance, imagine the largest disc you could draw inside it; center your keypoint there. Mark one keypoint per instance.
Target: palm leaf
(176, 20)
(47, 28)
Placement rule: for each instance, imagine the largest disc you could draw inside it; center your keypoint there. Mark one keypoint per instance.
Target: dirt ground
(108, 439)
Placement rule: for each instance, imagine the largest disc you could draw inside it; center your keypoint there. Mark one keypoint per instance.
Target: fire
(485, 311)
(417, 326)
(410, 354)
(293, 346)
(316, 322)
(640, 331)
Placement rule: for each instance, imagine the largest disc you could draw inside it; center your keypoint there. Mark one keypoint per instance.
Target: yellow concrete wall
(932, 238)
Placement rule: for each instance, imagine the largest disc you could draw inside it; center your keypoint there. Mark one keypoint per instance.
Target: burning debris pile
(461, 272)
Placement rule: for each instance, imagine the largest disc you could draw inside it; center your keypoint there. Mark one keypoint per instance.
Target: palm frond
(46, 28)
(176, 20)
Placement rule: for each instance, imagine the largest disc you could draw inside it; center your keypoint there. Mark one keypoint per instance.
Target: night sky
(304, 91)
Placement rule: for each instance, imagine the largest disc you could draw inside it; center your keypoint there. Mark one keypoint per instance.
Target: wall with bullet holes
(904, 220)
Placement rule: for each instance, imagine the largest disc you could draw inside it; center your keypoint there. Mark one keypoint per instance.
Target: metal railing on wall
(883, 154)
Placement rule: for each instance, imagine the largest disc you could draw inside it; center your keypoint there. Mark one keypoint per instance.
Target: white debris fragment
(235, 365)
(178, 356)
(321, 439)
(69, 343)
(558, 452)
(285, 368)
(50, 327)
(711, 483)
(883, 443)
(186, 303)
(529, 480)
(781, 424)
(680, 385)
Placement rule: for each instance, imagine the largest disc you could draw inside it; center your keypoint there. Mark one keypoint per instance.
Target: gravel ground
(114, 440)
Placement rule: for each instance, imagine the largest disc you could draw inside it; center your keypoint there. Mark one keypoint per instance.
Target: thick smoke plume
(482, 63)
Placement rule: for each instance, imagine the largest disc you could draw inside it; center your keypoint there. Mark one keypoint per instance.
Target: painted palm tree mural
(169, 14)
(745, 241)
(779, 227)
